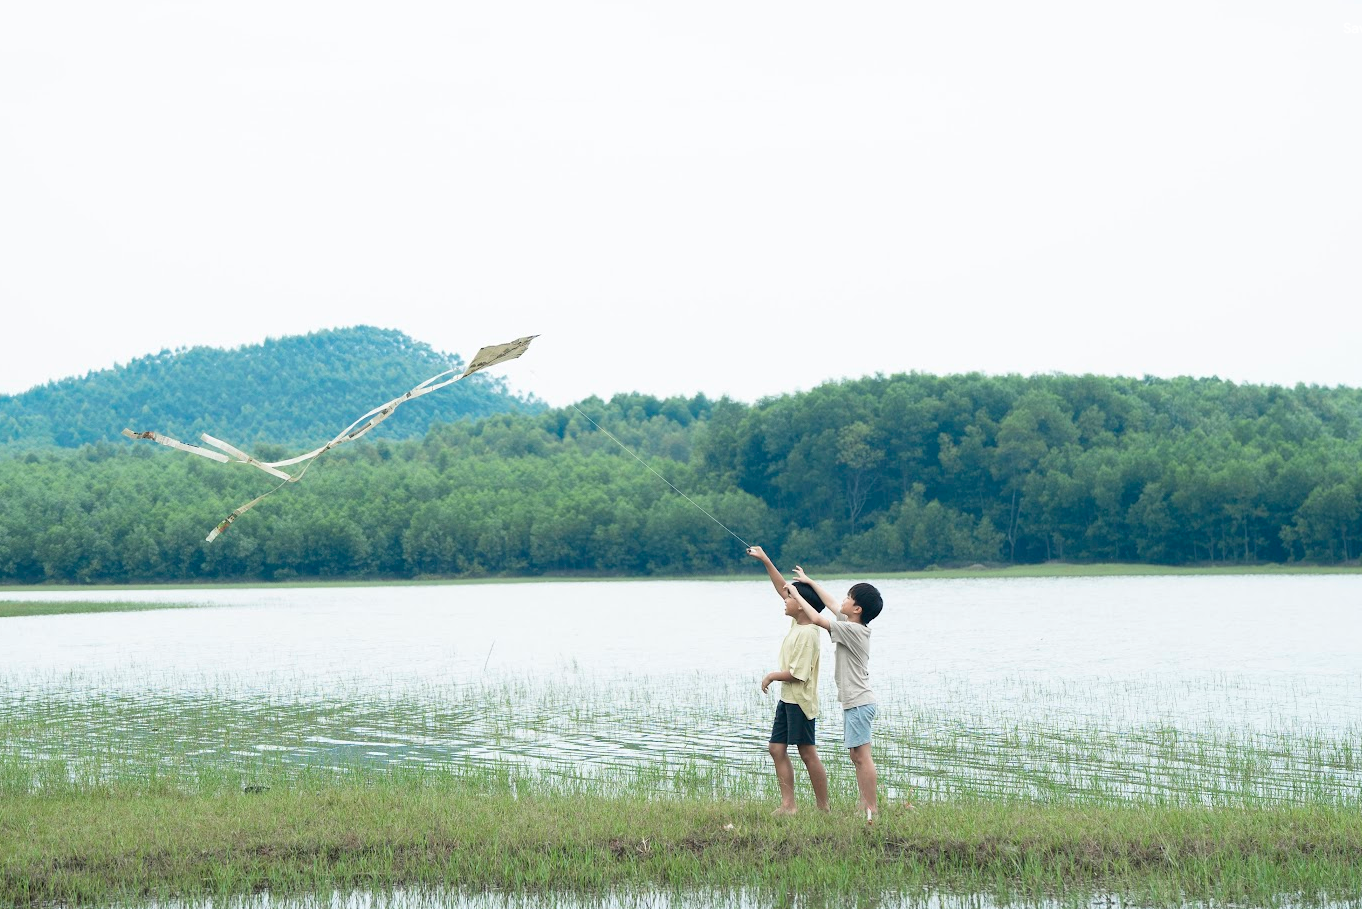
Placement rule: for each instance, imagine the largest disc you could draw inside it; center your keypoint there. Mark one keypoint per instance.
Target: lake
(1021, 686)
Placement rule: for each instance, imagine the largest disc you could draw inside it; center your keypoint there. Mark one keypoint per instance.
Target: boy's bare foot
(782, 811)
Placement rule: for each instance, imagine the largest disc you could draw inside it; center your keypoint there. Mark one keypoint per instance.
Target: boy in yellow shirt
(797, 708)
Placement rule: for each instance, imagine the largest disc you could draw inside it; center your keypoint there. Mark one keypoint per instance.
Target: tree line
(875, 474)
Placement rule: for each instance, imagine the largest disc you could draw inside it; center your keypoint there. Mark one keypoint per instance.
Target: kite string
(745, 544)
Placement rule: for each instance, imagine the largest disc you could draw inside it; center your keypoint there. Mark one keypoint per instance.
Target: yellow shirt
(799, 654)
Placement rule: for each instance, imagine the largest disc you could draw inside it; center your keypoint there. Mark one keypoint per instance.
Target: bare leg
(784, 776)
(818, 775)
(865, 778)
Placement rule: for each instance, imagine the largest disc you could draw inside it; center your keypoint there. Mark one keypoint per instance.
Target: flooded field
(540, 738)
(1218, 690)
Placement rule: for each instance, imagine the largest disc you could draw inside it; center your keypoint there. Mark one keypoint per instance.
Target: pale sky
(740, 198)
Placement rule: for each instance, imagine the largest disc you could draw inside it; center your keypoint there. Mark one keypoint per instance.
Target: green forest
(295, 389)
(879, 474)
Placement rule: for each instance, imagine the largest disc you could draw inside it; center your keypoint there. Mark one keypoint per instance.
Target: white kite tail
(168, 442)
(485, 357)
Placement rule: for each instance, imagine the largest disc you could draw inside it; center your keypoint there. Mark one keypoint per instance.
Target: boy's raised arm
(818, 618)
(827, 598)
(777, 580)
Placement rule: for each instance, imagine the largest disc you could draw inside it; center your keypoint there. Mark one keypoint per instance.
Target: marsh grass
(13, 608)
(1011, 739)
(1024, 790)
(311, 833)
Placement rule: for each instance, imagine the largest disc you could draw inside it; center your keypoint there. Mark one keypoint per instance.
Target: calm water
(1259, 627)
(1014, 685)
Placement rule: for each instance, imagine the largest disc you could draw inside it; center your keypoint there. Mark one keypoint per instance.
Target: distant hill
(297, 390)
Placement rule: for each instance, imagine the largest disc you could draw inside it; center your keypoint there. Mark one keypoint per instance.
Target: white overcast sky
(741, 198)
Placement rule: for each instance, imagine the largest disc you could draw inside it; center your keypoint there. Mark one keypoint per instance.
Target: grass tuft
(15, 608)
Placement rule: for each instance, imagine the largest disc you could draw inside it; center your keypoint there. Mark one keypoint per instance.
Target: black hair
(868, 598)
(809, 594)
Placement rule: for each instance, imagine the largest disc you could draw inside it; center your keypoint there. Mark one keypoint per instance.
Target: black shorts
(792, 727)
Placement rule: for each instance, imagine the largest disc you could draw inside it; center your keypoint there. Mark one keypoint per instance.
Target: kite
(487, 356)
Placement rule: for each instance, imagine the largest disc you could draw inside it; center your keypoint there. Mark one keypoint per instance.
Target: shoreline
(113, 845)
(19, 609)
(1042, 570)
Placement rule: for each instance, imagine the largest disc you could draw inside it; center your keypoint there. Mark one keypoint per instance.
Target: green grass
(483, 831)
(13, 608)
(960, 739)
(1119, 569)
(108, 797)
(1043, 570)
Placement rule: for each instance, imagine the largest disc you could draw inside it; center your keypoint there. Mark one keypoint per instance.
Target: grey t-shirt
(852, 640)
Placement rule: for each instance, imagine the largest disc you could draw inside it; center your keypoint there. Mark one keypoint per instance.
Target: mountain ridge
(295, 389)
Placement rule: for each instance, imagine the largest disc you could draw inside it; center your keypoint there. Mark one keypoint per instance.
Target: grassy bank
(744, 572)
(14, 608)
(512, 784)
(137, 784)
(1117, 569)
(478, 832)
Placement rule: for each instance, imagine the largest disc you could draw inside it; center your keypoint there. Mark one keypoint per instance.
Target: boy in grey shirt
(848, 625)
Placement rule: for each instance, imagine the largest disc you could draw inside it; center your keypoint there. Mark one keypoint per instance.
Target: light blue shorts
(856, 724)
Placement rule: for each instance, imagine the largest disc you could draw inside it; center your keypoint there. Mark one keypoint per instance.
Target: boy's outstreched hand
(829, 601)
(777, 579)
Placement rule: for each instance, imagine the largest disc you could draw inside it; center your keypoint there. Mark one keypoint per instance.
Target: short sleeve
(802, 655)
(851, 635)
